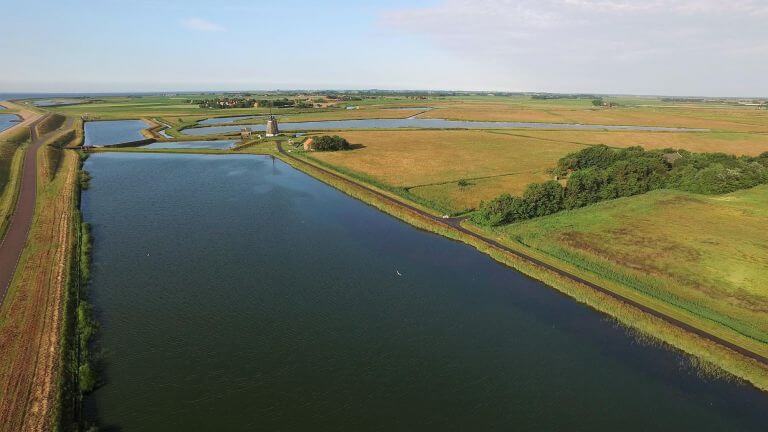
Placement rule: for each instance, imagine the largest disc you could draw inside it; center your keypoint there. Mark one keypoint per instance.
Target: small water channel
(220, 144)
(419, 123)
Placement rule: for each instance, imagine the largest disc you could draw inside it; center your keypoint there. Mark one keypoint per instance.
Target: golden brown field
(750, 144)
(735, 119)
(432, 162)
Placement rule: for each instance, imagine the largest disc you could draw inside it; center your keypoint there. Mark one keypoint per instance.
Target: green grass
(706, 255)
(11, 158)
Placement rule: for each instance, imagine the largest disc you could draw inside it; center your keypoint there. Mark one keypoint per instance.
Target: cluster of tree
(241, 102)
(602, 173)
(330, 143)
(563, 96)
(224, 102)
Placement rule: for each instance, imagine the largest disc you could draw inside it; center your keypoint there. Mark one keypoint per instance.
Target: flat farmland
(467, 195)
(737, 143)
(719, 118)
(704, 254)
(431, 163)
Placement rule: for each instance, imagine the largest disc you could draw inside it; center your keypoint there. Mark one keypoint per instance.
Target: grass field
(431, 163)
(704, 254)
(718, 117)
(738, 143)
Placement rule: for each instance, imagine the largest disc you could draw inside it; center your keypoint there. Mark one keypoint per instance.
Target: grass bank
(11, 159)
(79, 373)
(32, 315)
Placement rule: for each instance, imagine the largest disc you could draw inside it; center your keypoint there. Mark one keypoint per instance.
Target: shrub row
(601, 173)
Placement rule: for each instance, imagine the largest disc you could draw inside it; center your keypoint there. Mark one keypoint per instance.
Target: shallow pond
(236, 293)
(8, 120)
(221, 144)
(219, 120)
(101, 133)
(56, 102)
(417, 123)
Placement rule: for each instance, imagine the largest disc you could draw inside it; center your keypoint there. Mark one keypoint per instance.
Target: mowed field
(430, 164)
(705, 254)
(635, 112)
(737, 143)
(168, 106)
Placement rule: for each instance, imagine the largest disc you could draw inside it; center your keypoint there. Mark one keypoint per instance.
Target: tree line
(602, 173)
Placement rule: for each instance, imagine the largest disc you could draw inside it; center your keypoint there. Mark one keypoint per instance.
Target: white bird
(398, 272)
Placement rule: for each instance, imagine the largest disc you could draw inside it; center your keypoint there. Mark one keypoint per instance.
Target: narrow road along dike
(455, 223)
(15, 238)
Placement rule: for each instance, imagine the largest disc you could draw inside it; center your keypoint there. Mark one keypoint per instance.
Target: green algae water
(236, 293)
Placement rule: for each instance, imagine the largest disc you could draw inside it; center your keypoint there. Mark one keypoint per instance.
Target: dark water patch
(220, 120)
(8, 120)
(56, 102)
(101, 133)
(221, 144)
(236, 293)
(419, 123)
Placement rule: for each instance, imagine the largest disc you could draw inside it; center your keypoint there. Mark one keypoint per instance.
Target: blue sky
(684, 47)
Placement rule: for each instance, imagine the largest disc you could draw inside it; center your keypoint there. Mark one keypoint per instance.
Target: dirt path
(455, 223)
(15, 238)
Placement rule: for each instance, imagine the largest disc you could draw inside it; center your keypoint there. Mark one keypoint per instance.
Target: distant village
(225, 102)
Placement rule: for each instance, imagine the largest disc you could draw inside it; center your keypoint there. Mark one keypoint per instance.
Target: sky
(656, 47)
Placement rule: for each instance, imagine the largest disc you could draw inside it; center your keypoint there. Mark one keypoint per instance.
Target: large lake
(236, 293)
(101, 133)
(421, 124)
(8, 120)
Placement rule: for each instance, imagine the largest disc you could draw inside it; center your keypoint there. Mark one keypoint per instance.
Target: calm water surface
(236, 293)
(219, 120)
(8, 120)
(419, 123)
(220, 144)
(100, 133)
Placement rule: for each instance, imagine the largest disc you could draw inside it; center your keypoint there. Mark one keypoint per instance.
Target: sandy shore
(27, 116)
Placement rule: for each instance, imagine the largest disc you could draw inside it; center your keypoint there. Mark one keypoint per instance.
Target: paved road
(455, 223)
(15, 238)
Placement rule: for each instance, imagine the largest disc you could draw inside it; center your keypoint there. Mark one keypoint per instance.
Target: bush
(330, 143)
(500, 210)
(584, 188)
(541, 199)
(86, 377)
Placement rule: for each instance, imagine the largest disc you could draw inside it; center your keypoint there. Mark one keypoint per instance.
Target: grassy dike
(11, 160)
(710, 357)
(79, 376)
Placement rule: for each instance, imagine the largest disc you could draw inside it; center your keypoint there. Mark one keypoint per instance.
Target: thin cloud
(669, 46)
(199, 24)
